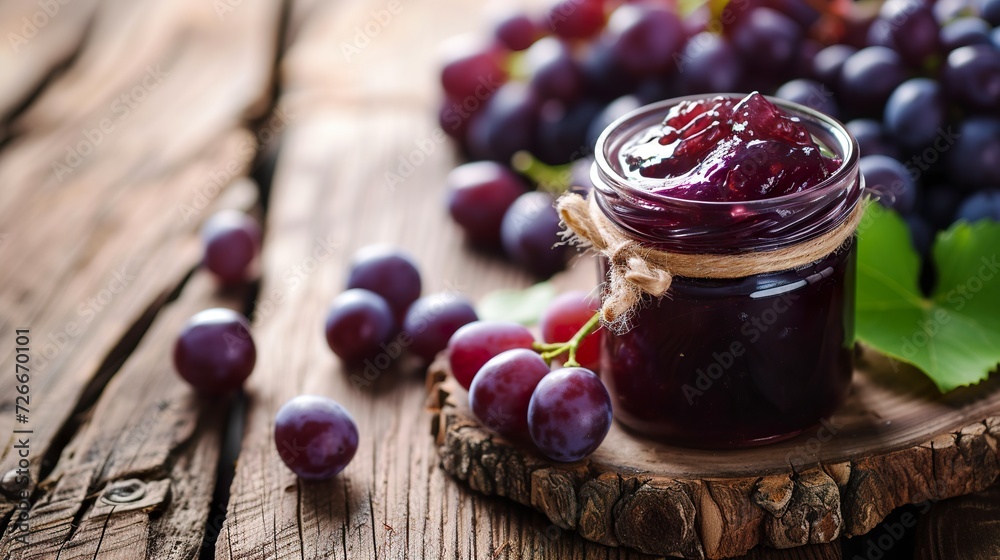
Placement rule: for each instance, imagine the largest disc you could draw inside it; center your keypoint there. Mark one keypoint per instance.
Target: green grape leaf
(521, 306)
(953, 336)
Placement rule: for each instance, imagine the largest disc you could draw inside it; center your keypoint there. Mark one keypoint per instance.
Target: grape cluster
(513, 390)
(916, 81)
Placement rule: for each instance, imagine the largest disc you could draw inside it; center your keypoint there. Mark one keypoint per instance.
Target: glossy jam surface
(733, 363)
(727, 149)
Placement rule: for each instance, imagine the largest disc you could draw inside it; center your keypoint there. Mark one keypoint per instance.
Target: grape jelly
(724, 363)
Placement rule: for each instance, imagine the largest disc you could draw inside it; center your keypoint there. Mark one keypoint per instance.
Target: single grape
(479, 194)
(471, 68)
(872, 138)
(389, 272)
(983, 205)
(562, 131)
(965, 31)
(604, 77)
(974, 159)
(806, 58)
(565, 316)
(709, 63)
(358, 322)
(868, 77)
(214, 351)
(315, 436)
(517, 31)
(501, 390)
(569, 414)
(232, 241)
(644, 37)
(890, 179)
(912, 28)
(530, 232)
(915, 112)
(971, 76)
(476, 343)
(552, 71)
(768, 41)
(506, 124)
(828, 62)
(575, 19)
(811, 94)
(433, 319)
(617, 108)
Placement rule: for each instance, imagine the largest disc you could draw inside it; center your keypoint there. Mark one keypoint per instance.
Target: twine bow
(635, 269)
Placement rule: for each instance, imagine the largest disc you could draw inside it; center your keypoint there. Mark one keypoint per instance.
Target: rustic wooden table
(122, 126)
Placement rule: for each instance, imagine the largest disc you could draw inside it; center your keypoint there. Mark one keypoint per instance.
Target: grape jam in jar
(725, 363)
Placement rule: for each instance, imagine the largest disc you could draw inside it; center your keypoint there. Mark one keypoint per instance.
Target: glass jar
(732, 362)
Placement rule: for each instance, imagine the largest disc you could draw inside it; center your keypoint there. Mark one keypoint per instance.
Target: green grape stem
(551, 350)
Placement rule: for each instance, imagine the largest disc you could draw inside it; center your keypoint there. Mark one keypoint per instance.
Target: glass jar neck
(691, 226)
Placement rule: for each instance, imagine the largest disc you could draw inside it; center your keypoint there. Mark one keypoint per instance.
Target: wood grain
(93, 243)
(963, 527)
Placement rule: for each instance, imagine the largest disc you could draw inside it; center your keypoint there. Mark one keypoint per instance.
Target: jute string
(635, 270)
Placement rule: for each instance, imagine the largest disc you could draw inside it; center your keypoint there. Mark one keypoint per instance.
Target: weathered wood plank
(156, 108)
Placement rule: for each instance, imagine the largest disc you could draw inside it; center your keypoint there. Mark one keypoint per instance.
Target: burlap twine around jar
(636, 269)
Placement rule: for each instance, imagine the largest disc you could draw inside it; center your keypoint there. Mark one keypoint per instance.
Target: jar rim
(603, 170)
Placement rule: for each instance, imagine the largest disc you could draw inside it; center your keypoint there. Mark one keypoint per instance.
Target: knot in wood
(124, 491)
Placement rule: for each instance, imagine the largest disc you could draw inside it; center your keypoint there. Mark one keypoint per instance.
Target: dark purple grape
(552, 71)
(915, 113)
(432, 320)
(479, 194)
(803, 13)
(912, 29)
(232, 241)
(768, 41)
(872, 138)
(576, 19)
(500, 392)
(530, 231)
(963, 32)
(828, 62)
(517, 31)
(939, 204)
(562, 131)
(389, 272)
(709, 63)
(656, 88)
(805, 59)
(868, 77)
(974, 159)
(617, 108)
(478, 342)
(214, 352)
(921, 234)
(891, 181)
(471, 68)
(811, 94)
(315, 437)
(569, 414)
(971, 76)
(990, 11)
(644, 37)
(983, 205)
(605, 79)
(506, 124)
(357, 324)
(995, 38)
